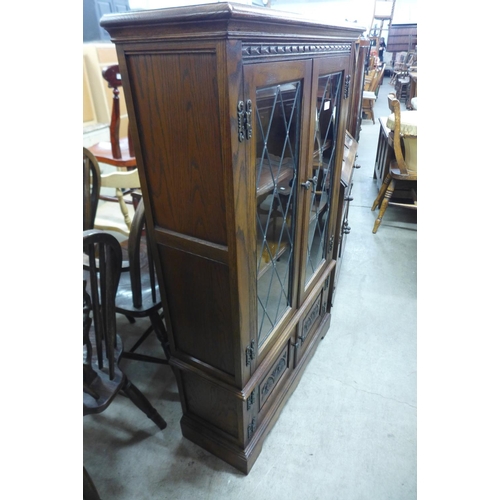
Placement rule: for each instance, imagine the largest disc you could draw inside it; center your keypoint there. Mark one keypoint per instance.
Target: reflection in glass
(325, 134)
(277, 122)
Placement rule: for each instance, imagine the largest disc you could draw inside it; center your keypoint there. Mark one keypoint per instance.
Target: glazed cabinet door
(322, 174)
(320, 187)
(276, 95)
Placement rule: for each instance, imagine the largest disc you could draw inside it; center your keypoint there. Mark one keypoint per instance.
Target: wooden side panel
(213, 404)
(177, 116)
(201, 328)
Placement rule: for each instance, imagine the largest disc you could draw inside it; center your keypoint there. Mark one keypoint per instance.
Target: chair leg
(161, 332)
(385, 203)
(383, 189)
(138, 398)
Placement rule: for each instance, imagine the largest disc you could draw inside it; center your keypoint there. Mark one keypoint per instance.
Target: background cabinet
(239, 117)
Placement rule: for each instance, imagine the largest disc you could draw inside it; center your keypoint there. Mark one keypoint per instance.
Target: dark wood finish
(343, 228)
(385, 152)
(138, 294)
(185, 72)
(362, 47)
(102, 377)
(402, 38)
(117, 152)
(91, 188)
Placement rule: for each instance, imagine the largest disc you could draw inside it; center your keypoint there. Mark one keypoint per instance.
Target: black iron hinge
(244, 120)
(250, 352)
(251, 427)
(251, 400)
(347, 86)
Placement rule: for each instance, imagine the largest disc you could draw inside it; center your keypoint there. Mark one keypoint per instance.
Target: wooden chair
(116, 151)
(102, 377)
(370, 95)
(123, 182)
(138, 294)
(91, 188)
(102, 346)
(400, 169)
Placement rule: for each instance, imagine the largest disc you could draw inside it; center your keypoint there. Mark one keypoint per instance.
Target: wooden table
(385, 152)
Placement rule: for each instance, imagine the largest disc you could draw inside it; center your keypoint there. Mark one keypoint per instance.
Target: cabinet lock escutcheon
(310, 182)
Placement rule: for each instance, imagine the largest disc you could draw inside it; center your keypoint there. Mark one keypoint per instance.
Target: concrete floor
(349, 430)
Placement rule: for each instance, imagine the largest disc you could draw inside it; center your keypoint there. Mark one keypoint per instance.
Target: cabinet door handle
(309, 182)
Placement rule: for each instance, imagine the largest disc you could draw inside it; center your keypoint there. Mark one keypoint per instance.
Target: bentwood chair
(403, 168)
(138, 294)
(103, 379)
(123, 182)
(102, 345)
(91, 188)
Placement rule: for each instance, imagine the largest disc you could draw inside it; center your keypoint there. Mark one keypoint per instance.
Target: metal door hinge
(248, 120)
(251, 427)
(250, 352)
(241, 121)
(251, 400)
(244, 120)
(347, 86)
(330, 243)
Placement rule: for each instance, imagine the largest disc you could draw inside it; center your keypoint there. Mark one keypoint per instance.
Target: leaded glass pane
(277, 122)
(325, 134)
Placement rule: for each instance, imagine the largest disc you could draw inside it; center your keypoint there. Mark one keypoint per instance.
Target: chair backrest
(101, 277)
(138, 248)
(113, 77)
(91, 188)
(396, 107)
(374, 78)
(390, 98)
(121, 180)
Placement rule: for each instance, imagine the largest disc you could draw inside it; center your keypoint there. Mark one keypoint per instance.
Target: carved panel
(272, 378)
(311, 318)
(267, 50)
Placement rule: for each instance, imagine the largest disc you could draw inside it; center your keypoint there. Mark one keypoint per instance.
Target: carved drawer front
(273, 376)
(312, 319)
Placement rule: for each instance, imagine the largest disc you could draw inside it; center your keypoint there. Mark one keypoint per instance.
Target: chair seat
(367, 94)
(396, 173)
(123, 300)
(102, 151)
(102, 385)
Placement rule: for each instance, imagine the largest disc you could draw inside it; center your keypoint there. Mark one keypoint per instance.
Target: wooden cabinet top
(225, 20)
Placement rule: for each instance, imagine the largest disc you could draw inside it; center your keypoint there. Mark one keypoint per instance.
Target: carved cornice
(268, 50)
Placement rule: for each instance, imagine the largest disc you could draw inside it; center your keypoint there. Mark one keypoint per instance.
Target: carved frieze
(272, 50)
